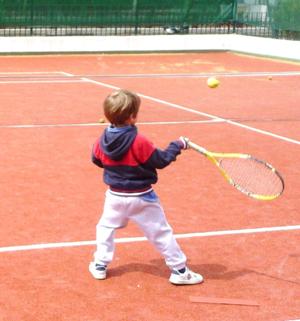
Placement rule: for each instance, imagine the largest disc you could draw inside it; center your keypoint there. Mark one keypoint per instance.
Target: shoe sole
(186, 282)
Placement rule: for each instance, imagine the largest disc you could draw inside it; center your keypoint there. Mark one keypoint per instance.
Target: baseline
(105, 124)
(142, 239)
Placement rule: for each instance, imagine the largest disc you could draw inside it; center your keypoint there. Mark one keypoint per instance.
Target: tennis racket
(249, 175)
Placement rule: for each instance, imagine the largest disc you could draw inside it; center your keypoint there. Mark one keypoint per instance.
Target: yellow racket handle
(207, 153)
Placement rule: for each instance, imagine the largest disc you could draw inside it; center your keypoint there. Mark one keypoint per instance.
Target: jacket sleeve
(162, 158)
(96, 155)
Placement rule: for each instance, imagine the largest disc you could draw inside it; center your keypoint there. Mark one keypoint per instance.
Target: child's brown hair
(120, 105)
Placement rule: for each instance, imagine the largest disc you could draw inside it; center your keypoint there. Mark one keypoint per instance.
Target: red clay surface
(52, 193)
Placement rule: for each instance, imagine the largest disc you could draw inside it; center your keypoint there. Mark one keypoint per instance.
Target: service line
(191, 110)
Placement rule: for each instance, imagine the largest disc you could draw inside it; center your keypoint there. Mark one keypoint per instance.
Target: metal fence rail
(266, 18)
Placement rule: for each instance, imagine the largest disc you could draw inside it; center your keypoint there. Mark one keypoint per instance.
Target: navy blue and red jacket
(129, 159)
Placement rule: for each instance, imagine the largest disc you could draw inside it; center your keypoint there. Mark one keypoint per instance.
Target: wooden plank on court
(211, 300)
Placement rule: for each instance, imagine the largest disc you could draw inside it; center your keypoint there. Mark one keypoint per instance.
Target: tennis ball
(101, 120)
(270, 77)
(213, 82)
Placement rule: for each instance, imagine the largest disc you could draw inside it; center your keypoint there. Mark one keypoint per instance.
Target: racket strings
(252, 176)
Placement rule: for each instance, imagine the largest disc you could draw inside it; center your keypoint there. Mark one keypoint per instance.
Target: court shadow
(218, 271)
(158, 268)
(211, 271)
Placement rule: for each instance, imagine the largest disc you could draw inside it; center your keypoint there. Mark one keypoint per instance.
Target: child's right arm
(162, 158)
(158, 158)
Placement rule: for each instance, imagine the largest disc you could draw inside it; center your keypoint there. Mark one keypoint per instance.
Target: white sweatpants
(149, 216)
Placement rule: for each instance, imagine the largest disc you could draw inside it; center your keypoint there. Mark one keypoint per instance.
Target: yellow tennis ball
(213, 82)
(101, 120)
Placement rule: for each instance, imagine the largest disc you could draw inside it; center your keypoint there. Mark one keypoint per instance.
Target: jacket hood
(116, 141)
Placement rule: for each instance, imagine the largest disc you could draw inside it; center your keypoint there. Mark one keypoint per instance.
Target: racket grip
(197, 148)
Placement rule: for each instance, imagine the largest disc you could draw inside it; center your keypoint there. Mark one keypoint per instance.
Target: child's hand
(184, 141)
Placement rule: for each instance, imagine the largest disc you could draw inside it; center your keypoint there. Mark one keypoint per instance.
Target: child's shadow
(158, 268)
(219, 272)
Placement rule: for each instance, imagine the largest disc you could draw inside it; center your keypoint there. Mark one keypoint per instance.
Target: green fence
(269, 18)
(280, 18)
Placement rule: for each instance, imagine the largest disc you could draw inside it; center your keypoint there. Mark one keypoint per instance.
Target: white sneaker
(97, 270)
(187, 277)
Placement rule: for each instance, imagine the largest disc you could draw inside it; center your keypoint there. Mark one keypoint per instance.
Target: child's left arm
(96, 160)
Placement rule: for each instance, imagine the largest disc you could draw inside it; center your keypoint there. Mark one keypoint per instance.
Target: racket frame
(213, 157)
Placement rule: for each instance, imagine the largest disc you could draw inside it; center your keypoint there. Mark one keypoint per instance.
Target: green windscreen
(255, 17)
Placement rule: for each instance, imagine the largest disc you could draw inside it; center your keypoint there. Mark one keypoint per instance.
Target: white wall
(261, 46)
(265, 46)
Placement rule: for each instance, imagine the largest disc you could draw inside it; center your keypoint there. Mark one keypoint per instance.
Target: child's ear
(133, 118)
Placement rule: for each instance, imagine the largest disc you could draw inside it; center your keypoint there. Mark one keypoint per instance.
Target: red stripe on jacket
(139, 152)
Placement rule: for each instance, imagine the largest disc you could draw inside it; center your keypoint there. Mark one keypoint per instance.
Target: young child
(130, 161)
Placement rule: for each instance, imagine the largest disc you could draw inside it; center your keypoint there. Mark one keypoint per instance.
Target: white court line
(201, 75)
(197, 75)
(30, 72)
(165, 75)
(66, 74)
(36, 74)
(158, 75)
(42, 81)
(105, 124)
(142, 239)
(160, 101)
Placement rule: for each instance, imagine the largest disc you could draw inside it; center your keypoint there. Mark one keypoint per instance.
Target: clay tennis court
(52, 195)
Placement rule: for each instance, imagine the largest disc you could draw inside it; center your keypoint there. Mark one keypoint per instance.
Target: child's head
(121, 106)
